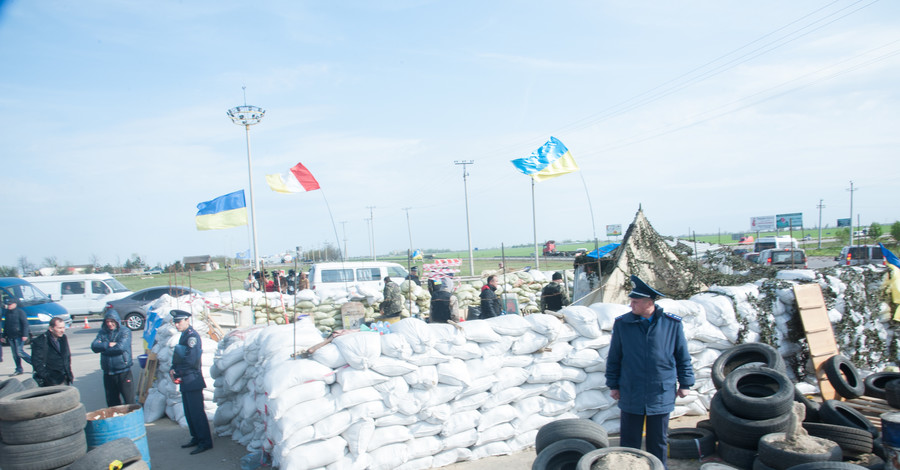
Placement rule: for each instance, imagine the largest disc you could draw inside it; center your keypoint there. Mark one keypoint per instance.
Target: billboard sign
(614, 230)
(794, 220)
(843, 222)
(763, 223)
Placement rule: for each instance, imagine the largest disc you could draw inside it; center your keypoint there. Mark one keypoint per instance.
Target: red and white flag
(296, 180)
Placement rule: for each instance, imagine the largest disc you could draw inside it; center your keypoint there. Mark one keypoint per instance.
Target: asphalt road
(164, 437)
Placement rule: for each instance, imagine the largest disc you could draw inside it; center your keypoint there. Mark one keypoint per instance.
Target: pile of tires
(41, 428)
(754, 398)
(561, 444)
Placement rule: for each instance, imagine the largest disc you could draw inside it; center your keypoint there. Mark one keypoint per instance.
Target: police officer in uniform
(648, 365)
(186, 371)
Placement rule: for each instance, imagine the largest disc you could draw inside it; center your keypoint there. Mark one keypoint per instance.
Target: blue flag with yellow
(551, 160)
(225, 211)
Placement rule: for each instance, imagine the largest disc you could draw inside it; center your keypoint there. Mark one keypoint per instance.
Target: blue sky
(705, 113)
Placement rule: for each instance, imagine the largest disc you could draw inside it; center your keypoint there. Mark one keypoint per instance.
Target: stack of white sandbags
(163, 397)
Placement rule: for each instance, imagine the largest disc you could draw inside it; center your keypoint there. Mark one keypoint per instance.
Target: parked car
(133, 308)
(37, 305)
(153, 271)
(783, 258)
(861, 254)
(740, 252)
(335, 277)
(81, 294)
(751, 257)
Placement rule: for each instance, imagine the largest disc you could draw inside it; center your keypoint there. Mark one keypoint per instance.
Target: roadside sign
(763, 223)
(843, 222)
(789, 220)
(614, 230)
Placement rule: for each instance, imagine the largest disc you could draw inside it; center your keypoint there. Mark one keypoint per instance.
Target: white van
(81, 294)
(774, 243)
(339, 277)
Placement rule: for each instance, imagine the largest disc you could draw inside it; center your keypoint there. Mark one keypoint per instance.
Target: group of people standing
(289, 284)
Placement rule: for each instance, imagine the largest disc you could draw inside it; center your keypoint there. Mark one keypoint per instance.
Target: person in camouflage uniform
(393, 299)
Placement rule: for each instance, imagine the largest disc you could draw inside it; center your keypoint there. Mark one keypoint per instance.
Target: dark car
(133, 309)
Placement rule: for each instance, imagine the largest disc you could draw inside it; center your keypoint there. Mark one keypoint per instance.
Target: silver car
(133, 309)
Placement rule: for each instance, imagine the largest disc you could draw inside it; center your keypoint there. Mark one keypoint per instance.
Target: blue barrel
(890, 437)
(117, 422)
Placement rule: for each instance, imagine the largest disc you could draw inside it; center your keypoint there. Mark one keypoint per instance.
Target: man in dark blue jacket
(186, 372)
(16, 330)
(648, 365)
(113, 342)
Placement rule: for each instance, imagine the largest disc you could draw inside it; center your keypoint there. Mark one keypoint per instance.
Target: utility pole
(851, 210)
(344, 228)
(369, 234)
(468, 228)
(408, 228)
(821, 206)
(372, 218)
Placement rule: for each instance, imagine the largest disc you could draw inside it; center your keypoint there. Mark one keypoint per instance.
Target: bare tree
(50, 262)
(25, 266)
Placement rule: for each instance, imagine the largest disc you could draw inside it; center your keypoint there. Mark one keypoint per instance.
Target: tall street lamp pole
(468, 229)
(247, 116)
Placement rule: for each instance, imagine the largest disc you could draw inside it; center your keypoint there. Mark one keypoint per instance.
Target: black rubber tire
(743, 354)
(562, 455)
(760, 465)
(43, 455)
(844, 377)
(827, 466)
(38, 402)
(892, 393)
(10, 386)
(812, 407)
(48, 428)
(29, 383)
(587, 461)
(758, 393)
(875, 383)
(742, 432)
(878, 448)
(780, 459)
(122, 449)
(138, 465)
(738, 456)
(574, 428)
(706, 424)
(691, 443)
(853, 441)
(841, 414)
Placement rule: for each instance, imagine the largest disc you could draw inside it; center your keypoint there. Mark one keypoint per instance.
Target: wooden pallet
(871, 408)
(147, 377)
(819, 334)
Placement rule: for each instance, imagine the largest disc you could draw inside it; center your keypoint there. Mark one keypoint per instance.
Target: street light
(468, 230)
(247, 116)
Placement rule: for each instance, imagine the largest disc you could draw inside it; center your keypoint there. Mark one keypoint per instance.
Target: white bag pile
(428, 395)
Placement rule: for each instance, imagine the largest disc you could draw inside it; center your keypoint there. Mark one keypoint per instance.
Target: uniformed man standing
(648, 365)
(186, 371)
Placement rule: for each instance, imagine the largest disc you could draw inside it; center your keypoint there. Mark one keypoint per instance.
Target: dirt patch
(620, 461)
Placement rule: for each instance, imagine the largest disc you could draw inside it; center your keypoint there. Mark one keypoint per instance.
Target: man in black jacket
(490, 304)
(15, 330)
(113, 342)
(553, 297)
(51, 357)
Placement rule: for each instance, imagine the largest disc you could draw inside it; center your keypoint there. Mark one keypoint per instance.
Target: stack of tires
(41, 428)
(754, 398)
(561, 444)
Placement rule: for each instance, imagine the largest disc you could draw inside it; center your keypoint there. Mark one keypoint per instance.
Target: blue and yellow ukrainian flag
(225, 211)
(551, 160)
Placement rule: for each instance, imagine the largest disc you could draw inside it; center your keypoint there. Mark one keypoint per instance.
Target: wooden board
(147, 377)
(352, 315)
(819, 334)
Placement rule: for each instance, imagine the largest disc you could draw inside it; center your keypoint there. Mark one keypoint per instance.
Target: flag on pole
(890, 257)
(296, 180)
(225, 211)
(551, 160)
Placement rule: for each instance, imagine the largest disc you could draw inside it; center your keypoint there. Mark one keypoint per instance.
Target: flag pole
(537, 263)
(333, 226)
(590, 207)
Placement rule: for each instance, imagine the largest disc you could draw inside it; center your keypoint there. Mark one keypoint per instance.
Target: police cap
(178, 315)
(641, 290)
